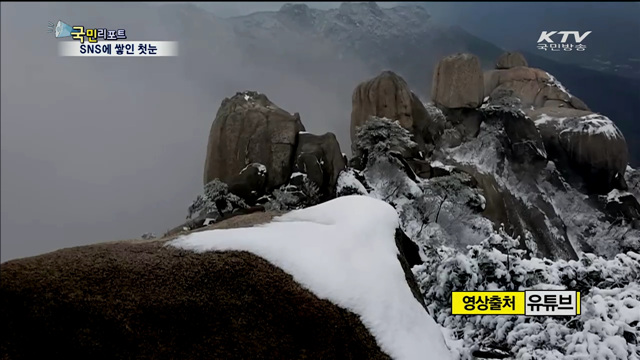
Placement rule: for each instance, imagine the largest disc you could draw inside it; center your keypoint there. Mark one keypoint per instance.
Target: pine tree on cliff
(216, 198)
(381, 138)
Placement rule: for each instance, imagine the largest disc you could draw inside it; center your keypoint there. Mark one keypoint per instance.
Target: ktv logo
(545, 41)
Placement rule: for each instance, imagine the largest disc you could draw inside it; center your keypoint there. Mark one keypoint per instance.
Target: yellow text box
(488, 303)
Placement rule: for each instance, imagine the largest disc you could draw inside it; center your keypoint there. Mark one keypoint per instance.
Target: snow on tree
(350, 182)
(506, 99)
(632, 178)
(606, 329)
(291, 197)
(378, 137)
(388, 182)
(216, 199)
(148, 236)
(445, 210)
(283, 199)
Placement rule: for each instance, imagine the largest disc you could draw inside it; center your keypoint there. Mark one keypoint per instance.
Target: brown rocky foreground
(143, 300)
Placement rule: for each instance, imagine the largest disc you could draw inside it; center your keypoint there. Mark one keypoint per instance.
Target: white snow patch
(247, 97)
(594, 124)
(440, 165)
(296, 174)
(615, 195)
(348, 179)
(342, 250)
(262, 170)
(483, 202)
(544, 118)
(554, 82)
(591, 124)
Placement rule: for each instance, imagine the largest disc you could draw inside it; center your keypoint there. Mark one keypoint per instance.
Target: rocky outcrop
(462, 124)
(573, 136)
(524, 141)
(387, 95)
(320, 157)
(509, 60)
(458, 82)
(142, 299)
(622, 206)
(250, 183)
(213, 220)
(249, 128)
(588, 143)
(457, 92)
(534, 87)
(537, 218)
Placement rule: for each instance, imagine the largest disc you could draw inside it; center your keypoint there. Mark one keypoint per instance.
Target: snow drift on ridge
(343, 250)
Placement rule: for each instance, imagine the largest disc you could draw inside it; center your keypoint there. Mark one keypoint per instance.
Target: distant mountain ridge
(407, 40)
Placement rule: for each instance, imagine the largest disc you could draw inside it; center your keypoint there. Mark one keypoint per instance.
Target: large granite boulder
(534, 87)
(387, 96)
(509, 60)
(146, 300)
(589, 143)
(249, 128)
(320, 157)
(458, 82)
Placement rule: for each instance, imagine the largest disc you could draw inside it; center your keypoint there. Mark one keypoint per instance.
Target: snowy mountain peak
(294, 8)
(369, 8)
(299, 13)
(351, 22)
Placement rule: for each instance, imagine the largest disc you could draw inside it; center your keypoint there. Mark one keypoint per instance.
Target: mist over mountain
(89, 143)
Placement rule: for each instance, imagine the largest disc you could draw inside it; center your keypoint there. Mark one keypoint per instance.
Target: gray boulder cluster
(255, 147)
(541, 122)
(575, 137)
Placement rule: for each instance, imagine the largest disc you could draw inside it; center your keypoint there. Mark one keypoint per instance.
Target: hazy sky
(227, 9)
(103, 149)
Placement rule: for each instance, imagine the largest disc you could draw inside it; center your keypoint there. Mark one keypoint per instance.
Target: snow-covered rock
(588, 142)
(343, 250)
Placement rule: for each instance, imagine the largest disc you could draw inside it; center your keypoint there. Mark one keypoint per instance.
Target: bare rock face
(458, 82)
(537, 217)
(509, 60)
(523, 139)
(590, 143)
(534, 87)
(387, 95)
(249, 128)
(320, 157)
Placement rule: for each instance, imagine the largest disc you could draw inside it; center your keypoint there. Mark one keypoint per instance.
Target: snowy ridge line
(342, 250)
(554, 82)
(591, 124)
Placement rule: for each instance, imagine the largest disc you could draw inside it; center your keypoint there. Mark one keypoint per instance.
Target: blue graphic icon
(61, 29)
